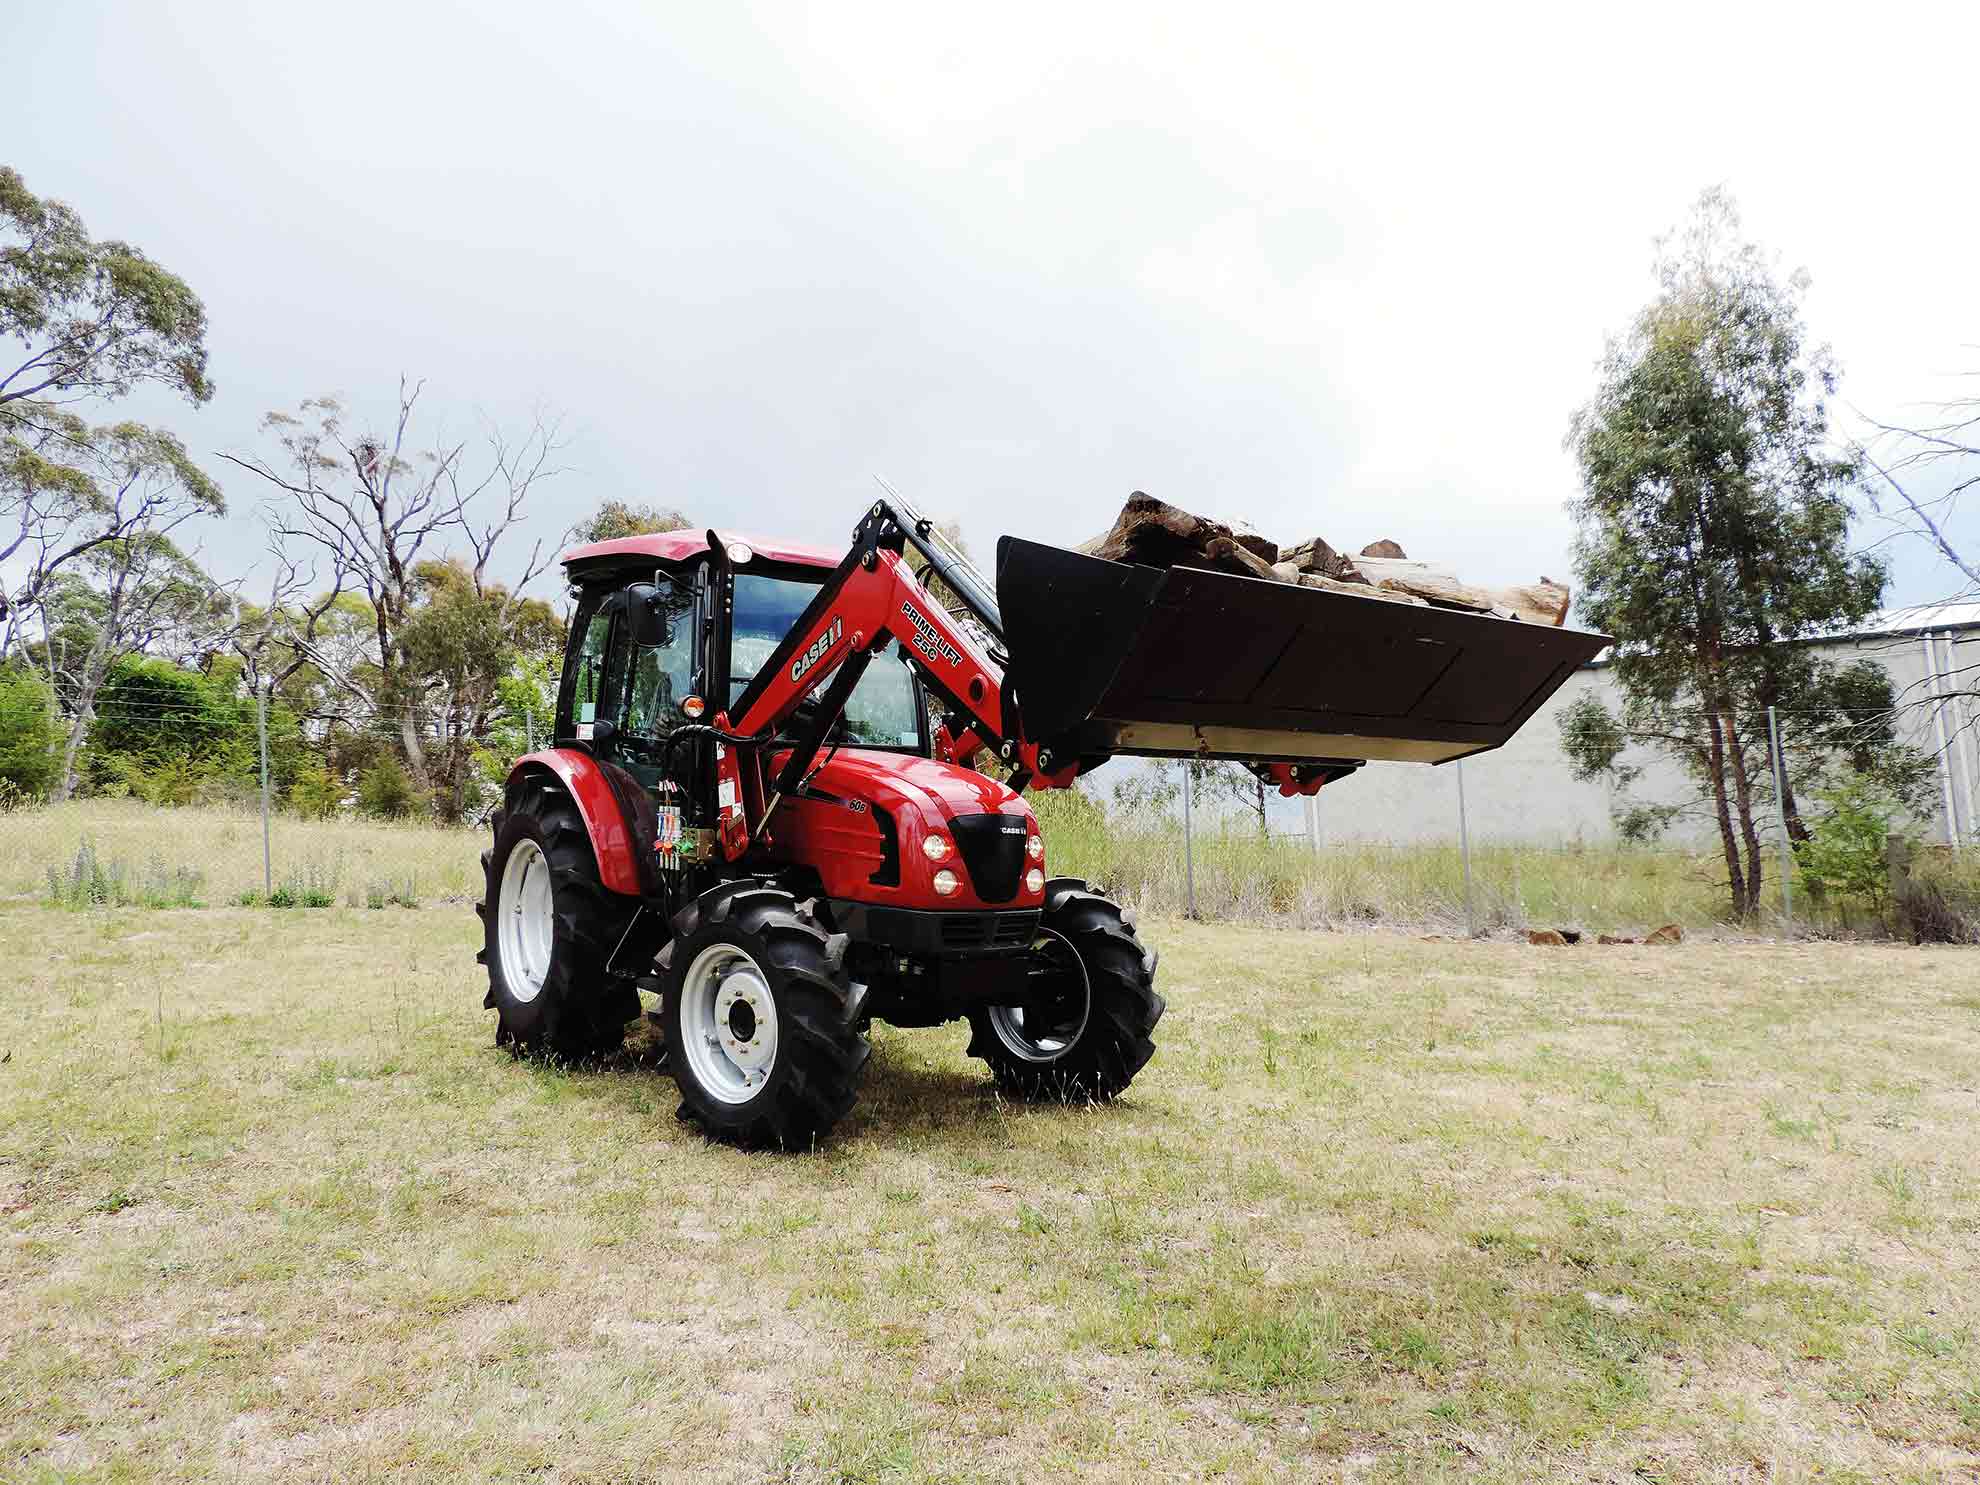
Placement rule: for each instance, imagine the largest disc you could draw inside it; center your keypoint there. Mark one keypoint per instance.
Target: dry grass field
(276, 1209)
(1281, 881)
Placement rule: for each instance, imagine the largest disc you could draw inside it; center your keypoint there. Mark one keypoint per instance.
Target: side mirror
(647, 611)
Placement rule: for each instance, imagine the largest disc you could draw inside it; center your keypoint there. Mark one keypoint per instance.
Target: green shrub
(30, 736)
(159, 781)
(168, 734)
(386, 790)
(1844, 856)
(315, 794)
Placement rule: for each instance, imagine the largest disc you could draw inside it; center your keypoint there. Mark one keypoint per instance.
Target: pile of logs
(1155, 534)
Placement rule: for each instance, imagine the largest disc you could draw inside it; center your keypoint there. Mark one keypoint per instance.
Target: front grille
(987, 930)
(992, 847)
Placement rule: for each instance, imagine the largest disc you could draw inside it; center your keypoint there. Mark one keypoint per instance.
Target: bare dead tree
(1921, 478)
(1922, 474)
(514, 470)
(278, 640)
(1950, 446)
(374, 506)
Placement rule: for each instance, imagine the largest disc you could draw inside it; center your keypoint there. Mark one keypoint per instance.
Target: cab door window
(660, 676)
(588, 669)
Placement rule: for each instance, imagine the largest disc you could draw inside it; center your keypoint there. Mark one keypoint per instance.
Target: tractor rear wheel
(548, 930)
(1088, 1021)
(762, 1029)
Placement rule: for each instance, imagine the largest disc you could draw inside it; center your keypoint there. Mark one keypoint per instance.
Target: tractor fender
(604, 821)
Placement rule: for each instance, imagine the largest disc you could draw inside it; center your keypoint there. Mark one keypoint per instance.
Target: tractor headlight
(1034, 847)
(946, 883)
(936, 847)
(1034, 880)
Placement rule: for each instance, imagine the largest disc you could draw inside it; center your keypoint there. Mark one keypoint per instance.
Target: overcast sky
(1330, 273)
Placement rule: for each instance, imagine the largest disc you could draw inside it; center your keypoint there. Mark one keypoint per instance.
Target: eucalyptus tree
(1713, 533)
(615, 519)
(90, 320)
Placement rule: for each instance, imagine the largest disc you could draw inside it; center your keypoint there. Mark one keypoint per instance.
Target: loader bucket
(1109, 657)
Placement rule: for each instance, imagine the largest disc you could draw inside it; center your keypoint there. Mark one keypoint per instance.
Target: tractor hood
(931, 792)
(861, 821)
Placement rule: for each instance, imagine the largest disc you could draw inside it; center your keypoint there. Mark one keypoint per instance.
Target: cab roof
(679, 546)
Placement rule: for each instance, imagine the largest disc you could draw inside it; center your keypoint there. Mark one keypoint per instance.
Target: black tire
(580, 1012)
(819, 1049)
(1106, 1037)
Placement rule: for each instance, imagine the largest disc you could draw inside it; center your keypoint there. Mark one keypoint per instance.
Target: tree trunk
(92, 682)
(1797, 829)
(1743, 790)
(1716, 769)
(415, 752)
(65, 783)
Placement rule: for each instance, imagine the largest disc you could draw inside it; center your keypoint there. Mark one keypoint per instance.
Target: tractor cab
(667, 634)
(671, 631)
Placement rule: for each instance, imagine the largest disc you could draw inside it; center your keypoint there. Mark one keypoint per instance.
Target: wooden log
(1225, 554)
(1315, 555)
(1534, 603)
(1262, 547)
(1544, 602)
(1156, 534)
(1358, 590)
(1441, 591)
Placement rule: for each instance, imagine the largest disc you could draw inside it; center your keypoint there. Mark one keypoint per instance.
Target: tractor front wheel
(1086, 1024)
(763, 1034)
(548, 929)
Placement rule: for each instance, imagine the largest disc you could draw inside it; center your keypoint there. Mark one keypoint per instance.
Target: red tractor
(761, 803)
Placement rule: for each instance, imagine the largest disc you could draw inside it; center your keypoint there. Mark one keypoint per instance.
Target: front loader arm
(873, 597)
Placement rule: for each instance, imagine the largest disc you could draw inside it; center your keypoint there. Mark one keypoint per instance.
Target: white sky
(1333, 272)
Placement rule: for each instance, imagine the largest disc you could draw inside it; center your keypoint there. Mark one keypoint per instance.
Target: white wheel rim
(1039, 1042)
(728, 1024)
(526, 920)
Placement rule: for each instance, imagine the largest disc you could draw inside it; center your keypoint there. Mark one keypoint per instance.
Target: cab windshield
(884, 710)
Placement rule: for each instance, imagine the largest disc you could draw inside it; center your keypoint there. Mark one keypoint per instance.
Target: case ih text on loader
(751, 811)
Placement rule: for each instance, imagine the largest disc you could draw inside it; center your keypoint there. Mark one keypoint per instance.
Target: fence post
(529, 730)
(1464, 851)
(1780, 814)
(1189, 844)
(261, 724)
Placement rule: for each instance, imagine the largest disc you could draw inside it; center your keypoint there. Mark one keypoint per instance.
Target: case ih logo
(819, 647)
(927, 640)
